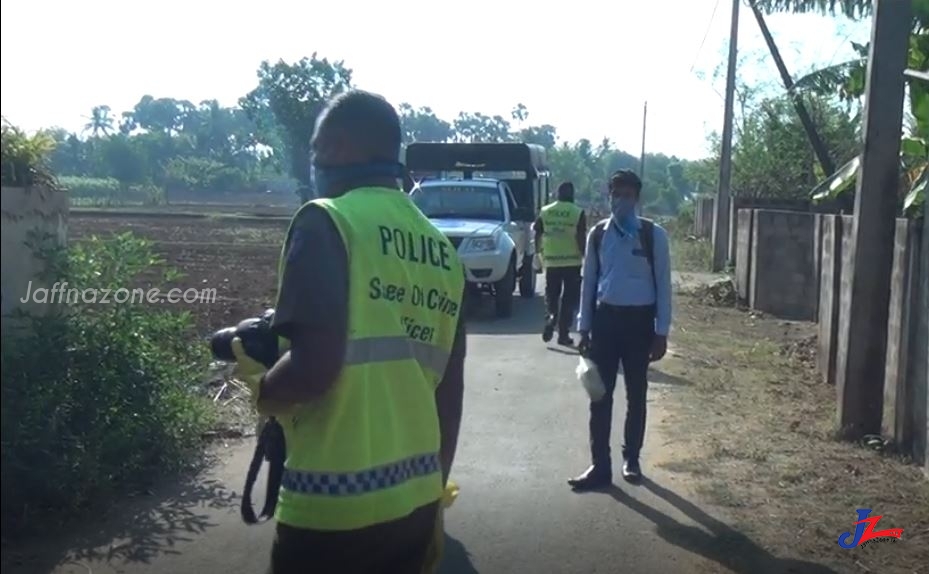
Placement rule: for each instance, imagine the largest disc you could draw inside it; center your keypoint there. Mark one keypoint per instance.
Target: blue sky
(585, 67)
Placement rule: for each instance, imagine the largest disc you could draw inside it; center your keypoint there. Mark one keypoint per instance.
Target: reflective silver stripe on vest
(354, 483)
(382, 349)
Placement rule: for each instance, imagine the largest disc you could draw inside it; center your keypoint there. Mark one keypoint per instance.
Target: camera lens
(221, 344)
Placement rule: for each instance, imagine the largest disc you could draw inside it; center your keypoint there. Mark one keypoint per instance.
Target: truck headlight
(482, 244)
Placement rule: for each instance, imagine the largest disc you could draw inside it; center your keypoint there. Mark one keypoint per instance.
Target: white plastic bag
(537, 263)
(589, 377)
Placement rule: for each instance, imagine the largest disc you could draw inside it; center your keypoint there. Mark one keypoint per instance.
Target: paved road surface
(523, 435)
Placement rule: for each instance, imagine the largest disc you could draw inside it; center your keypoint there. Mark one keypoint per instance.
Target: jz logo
(864, 530)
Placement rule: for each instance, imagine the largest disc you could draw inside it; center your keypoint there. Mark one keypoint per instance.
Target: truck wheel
(527, 279)
(503, 293)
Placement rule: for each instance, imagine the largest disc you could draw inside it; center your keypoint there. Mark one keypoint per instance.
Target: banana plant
(914, 170)
(847, 79)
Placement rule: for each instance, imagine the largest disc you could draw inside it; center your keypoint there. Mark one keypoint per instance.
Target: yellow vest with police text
(368, 450)
(559, 234)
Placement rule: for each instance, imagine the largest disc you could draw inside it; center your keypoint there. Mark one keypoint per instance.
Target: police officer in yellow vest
(561, 231)
(370, 392)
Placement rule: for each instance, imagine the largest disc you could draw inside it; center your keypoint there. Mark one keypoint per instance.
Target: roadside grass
(688, 253)
(756, 430)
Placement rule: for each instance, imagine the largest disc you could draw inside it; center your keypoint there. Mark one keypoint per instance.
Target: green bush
(107, 191)
(98, 397)
(198, 174)
(688, 253)
(25, 158)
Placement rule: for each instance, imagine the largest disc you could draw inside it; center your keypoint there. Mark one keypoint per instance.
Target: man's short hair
(565, 187)
(626, 178)
(369, 121)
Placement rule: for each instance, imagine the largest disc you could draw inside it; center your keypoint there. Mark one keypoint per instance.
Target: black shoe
(631, 471)
(565, 341)
(592, 479)
(549, 331)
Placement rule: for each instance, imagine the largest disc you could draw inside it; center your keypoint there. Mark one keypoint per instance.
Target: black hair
(626, 178)
(566, 190)
(368, 120)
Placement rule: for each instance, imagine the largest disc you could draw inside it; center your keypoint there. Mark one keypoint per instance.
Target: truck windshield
(459, 201)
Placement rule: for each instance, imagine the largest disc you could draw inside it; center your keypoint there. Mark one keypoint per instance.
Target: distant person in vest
(624, 317)
(559, 236)
(370, 393)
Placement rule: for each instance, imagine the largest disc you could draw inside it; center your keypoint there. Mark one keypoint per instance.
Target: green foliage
(25, 158)
(178, 146)
(97, 397)
(855, 9)
(688, 253)
(296, 94)
(773, 157)
(107, 191)
(849, 80)
(196, 173)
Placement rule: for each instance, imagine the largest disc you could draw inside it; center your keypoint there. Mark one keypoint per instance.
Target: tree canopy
(164, 144)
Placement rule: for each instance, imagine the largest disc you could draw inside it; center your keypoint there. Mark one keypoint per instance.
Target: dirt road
(524, 434)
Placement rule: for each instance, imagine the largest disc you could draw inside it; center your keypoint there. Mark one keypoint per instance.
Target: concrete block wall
(917, 373)
(703, 216)
(897, 420)
(831, 247)
(26, 210)
(845, 288)
(783, 264)
(798, 266)
(743, 254)
(741, 202)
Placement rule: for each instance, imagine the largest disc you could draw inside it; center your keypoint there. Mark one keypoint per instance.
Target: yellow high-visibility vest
(368, 451)
(559, 234)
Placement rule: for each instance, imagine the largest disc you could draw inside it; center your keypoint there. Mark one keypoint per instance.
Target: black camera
(258, 340)
(261, 344)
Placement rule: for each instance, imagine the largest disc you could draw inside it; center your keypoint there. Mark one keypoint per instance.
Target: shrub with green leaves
(97, 398)
(25, 158)
(108, 192)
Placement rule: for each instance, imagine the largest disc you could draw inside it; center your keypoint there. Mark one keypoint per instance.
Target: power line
(706, 33)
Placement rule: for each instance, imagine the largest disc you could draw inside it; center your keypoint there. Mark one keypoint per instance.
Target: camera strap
(271, 446)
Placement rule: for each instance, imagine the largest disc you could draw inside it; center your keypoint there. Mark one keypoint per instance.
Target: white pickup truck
(483, 221)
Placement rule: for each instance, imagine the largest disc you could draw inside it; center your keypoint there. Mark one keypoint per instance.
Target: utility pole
(642, 158)
(721, 216)
(819, 148)
(863, 336)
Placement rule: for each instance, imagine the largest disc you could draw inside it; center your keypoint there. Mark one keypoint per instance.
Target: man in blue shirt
(625, 315)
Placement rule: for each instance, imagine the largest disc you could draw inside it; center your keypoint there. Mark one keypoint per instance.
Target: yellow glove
(437, 547)
(247, 369)
(450, 494)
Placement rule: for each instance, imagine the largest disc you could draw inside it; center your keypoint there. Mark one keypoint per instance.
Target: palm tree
(100, 121)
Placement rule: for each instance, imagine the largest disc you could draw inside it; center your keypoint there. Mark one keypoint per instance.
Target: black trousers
(397, 547)
(620, 334)
(562, 295)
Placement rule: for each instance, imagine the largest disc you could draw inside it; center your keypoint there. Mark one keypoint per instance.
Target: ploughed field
(237, 256)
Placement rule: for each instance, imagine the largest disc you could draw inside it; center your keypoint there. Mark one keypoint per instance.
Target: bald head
(357, 127)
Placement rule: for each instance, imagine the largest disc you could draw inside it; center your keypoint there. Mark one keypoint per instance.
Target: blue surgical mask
(324, 178)
(623, 209)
